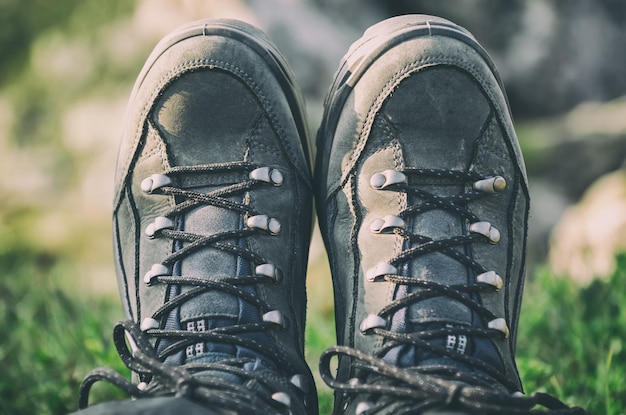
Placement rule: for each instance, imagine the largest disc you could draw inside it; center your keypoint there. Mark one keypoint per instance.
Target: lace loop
(415, 183)
(384, 387)
(138, 346)
(167, 380)
(412, 390)
(249, 176)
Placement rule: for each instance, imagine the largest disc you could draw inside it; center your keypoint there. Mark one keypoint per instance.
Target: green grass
(570, 340)
(50, 339)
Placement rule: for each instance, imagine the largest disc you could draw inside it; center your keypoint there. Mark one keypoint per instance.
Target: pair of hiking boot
(422, 200)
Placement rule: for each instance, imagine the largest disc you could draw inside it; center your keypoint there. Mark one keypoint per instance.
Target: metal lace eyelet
(268, 175)
(157, 270)
(270, 271)
(159, 223)
(485, 228)
(362, 407)
(148, 324)
(282, 398)
(381, 269)
(491, 278)
(500, 325)
(372, 321)
(494, 184)
(275, 317)
(386, 178)
(154, 182)
(301, 382)
(386, 224)
(264, 222)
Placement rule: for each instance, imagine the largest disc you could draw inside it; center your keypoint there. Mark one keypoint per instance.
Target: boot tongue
(214, 309)
(206, 117)
(408, 356)
(437, 267)
(439, 312)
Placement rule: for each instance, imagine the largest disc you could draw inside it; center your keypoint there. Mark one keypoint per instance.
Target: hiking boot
(422, 196)
(212, 223)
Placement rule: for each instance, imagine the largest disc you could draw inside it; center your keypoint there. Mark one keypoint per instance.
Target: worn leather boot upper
(212, 222)
(423, 202)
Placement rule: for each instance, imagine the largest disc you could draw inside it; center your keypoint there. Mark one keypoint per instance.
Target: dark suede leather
(419, 92)
(218, 92)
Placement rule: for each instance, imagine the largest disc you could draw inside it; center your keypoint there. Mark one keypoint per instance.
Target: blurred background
(66, 71)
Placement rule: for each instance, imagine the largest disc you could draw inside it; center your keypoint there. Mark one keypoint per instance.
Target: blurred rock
(564, 156)
(547, 204)
(556, 58)
(572, 151)
(154, 19)
(590, 233)
(61, 113)
(551, 54)
(313, 41)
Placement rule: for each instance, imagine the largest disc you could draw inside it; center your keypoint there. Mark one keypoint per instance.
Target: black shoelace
(143, 358)
(415, 389)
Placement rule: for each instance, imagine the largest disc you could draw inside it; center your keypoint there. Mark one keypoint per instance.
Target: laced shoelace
(420, 389)
(158, 378)
(412, 391)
